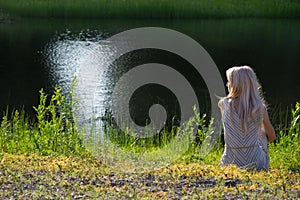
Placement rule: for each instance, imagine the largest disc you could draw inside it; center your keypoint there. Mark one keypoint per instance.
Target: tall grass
(285, 153)
(152, 9)
(54, 132)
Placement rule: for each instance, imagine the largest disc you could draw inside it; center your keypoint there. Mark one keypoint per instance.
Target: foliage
(53, 132)
(46, 158)
(285, 153)
(152, 9)
(130, 138)
(295, 123)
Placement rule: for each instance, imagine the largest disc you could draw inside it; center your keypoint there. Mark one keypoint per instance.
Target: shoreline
(152, 9)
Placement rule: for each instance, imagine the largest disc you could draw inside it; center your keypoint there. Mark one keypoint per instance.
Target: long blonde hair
(245, 94)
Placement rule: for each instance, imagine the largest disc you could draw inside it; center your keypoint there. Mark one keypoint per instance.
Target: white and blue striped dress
(244, 150)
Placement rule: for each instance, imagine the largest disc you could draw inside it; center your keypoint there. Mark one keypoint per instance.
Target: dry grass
(32, 177)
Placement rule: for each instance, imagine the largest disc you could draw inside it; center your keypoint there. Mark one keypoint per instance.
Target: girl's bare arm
(268, 127)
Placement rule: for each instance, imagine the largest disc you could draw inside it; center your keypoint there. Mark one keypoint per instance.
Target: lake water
(37, 54)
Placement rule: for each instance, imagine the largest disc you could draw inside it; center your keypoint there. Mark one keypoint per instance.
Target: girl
(246, 124)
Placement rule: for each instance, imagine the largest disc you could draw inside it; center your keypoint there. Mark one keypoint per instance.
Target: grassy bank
(46, 158)
(152, 9)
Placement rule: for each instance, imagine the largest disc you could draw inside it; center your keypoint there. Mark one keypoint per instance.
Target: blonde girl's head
(244, 92)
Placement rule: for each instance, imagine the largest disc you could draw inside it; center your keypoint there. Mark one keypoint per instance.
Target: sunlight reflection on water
(86, 58)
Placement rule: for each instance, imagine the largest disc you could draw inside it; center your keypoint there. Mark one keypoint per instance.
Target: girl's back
(244, 150)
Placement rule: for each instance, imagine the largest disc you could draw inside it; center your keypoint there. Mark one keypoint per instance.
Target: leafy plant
(53, 132)
(294, 129)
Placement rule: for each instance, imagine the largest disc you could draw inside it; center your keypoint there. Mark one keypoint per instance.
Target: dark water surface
(37, 54)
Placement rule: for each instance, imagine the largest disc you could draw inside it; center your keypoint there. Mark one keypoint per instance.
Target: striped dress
(247, 151)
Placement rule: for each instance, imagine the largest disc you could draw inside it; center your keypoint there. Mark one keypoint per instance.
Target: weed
(53, 131)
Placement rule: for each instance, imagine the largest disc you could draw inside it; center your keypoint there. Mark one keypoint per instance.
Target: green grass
(46, 157)
(285, 153)
(152, 9)
(52, 132)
